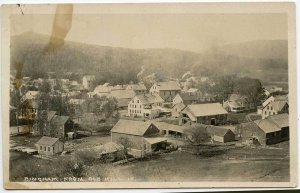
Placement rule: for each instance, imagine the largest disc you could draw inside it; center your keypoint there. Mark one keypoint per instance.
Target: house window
(271, 108)
(45, 148)
(140, 106)
(268, 107)
(270, 113)
(48, 148)
(137, 101)
(265, 112)
(41, 147)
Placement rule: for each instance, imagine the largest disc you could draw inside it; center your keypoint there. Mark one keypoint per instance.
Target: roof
(108, 148)
(89, 77)
(150, 98)
(59, 120)
(136, 87)
(102, 88)
(267, 125)
(123, 102)
(282, 120)
(207, 109)
(131, 127)
(188, 98)
(250, 125)
(170, 127)
(50, 115)
(170, 85)
(117, 87)
(234, 97)
(155, 140)
(122, 94)
(281, 98)
(278, 105)
(219, 131)
(181, 106)
(192, 90)
(47, 141)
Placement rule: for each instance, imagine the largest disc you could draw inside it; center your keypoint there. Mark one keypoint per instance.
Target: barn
(267, 131)
(140, 137)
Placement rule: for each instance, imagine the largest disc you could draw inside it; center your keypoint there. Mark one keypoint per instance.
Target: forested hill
(121, 65)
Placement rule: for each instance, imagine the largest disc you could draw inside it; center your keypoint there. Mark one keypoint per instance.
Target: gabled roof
(199, 110)
(188, 98)
(150, 98)
(273, 123)
(170, 85)
(122, 94)
(218, 131)
(278, 105)
(47, 141)
(235, 97)
(50, 115)
(267, 125)
(136, 87)
(282, 120)
(181, 106)
(131, 127)
(59, 120)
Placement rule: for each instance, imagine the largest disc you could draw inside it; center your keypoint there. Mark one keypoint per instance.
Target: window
(140, 106)
(48, 148)
(268, 107)
(41, 147)
(265, 112)
(137, 101)
(45, 148)
(270, 113)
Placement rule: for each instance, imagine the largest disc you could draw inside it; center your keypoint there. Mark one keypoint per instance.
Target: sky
(193, 32)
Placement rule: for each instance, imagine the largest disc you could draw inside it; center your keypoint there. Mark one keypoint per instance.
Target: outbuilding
(49, 146)
(140, 137)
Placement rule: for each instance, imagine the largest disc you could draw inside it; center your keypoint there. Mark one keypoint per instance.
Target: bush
(86, 156)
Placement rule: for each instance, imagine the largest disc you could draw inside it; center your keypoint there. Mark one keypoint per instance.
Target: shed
(220, 134)
(49, 146)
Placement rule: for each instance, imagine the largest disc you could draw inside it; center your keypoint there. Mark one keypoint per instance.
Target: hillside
(120, 65)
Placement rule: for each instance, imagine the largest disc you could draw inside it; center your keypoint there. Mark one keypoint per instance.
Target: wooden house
(49, 146)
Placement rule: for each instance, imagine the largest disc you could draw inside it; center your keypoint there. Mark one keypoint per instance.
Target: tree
(197, 134)
(251, 88)
(43, 106)
(126, 143)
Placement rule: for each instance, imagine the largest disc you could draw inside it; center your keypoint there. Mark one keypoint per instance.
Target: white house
(166, 90)
(275, 105)
(236, 103)
(145, 105)
(88, 81)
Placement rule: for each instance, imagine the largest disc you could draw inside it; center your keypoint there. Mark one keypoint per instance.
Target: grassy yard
(238, 164)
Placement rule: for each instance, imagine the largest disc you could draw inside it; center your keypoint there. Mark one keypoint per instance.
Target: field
(222, 164)
(241, 164)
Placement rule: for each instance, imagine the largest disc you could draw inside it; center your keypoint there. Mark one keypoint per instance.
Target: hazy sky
(194, 32)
